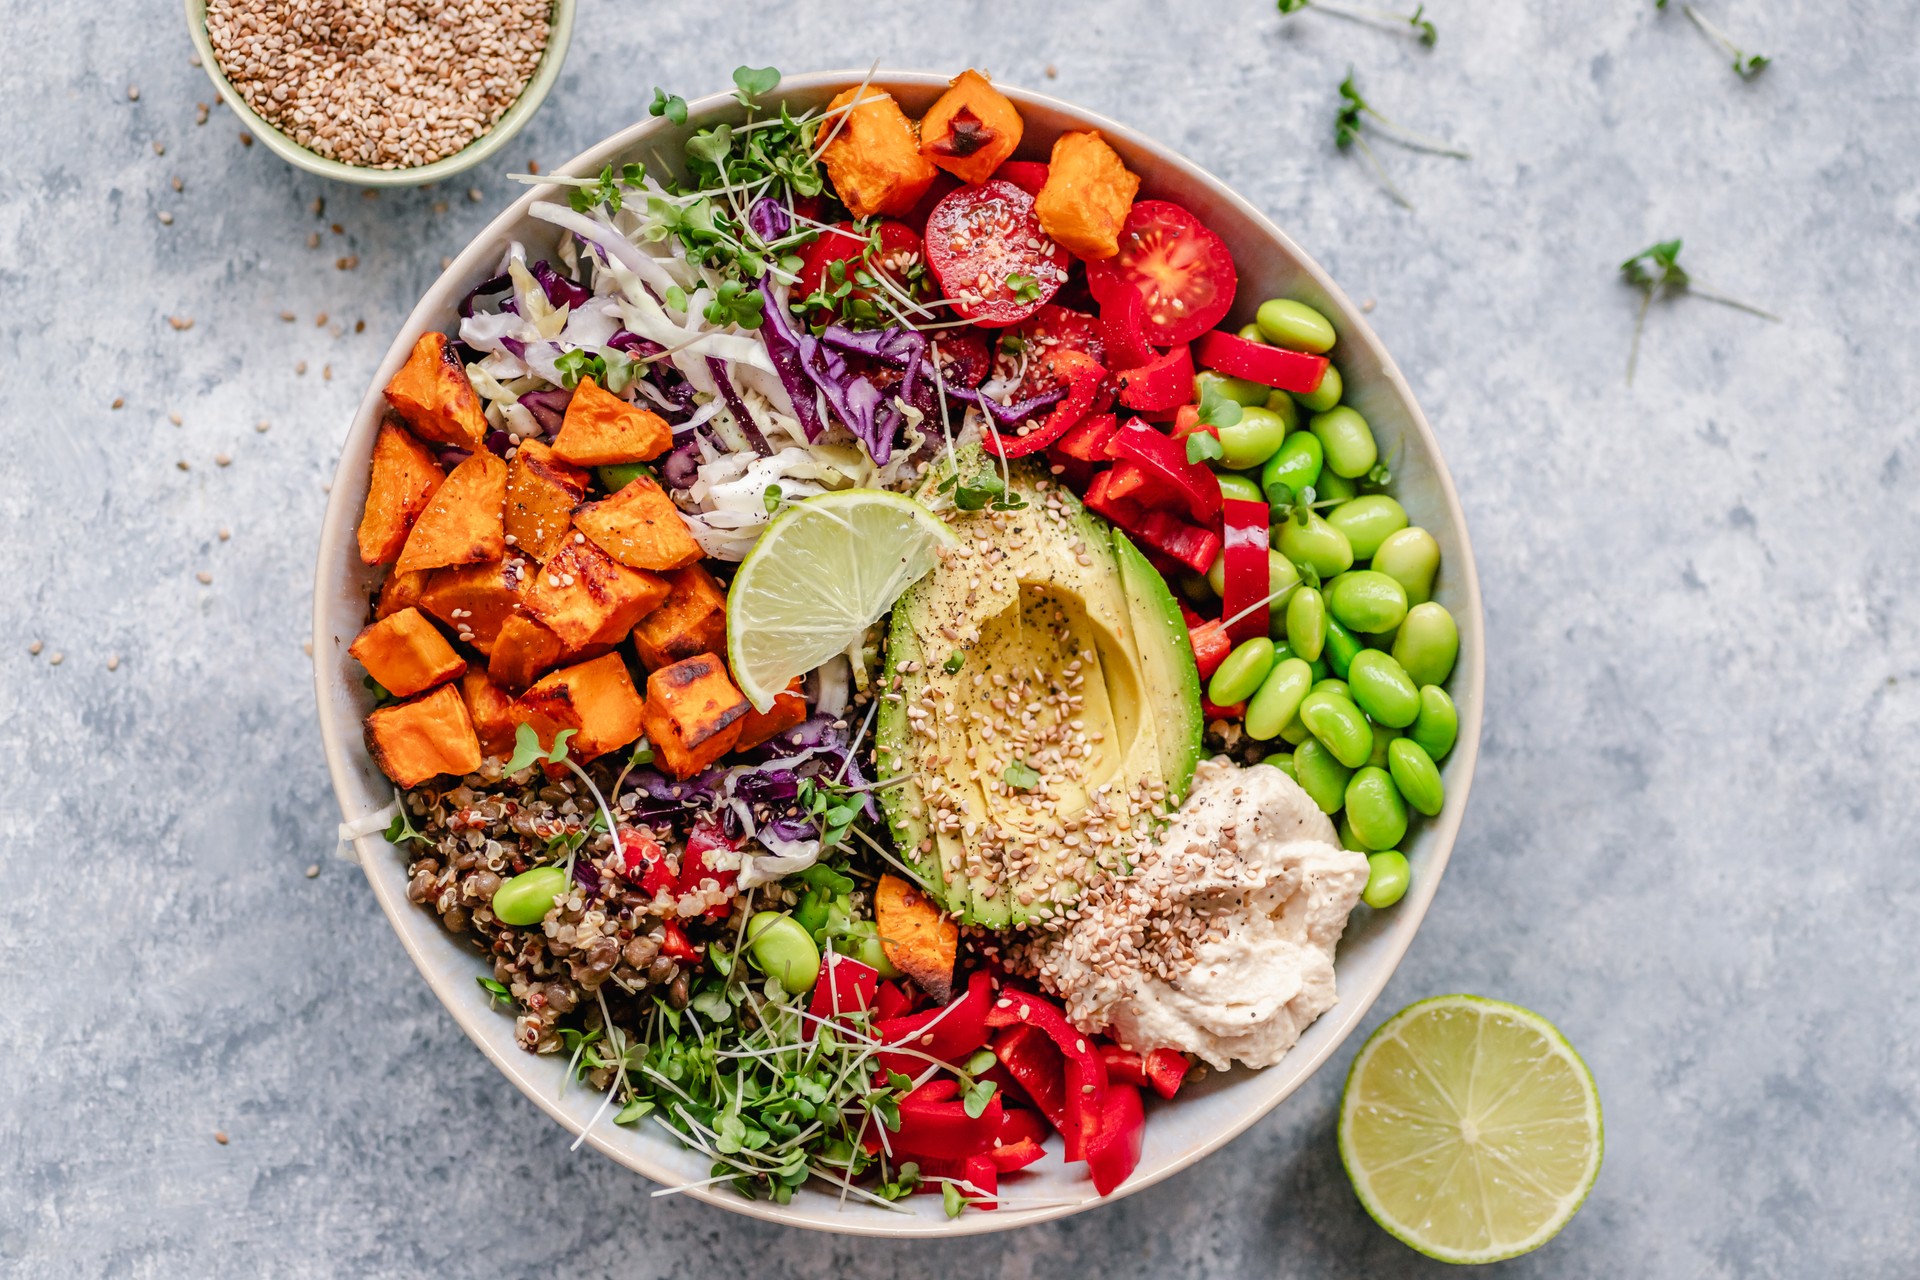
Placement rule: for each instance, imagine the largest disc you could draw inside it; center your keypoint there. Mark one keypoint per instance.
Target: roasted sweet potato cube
(595, 699)
(916, 935)
(406, 653)
(640, 527)
(1087, 195)
(585, 596)
(432, 393)
(400, 591)
(423, 738)
(693, 714)
(602, 430)
(523, 651)
(491, 709)
(692, 621)
(462, 525)
(874, 158)
(789, 709)
(971, 130)
(542, 492)
(405, 476)
(475, 600)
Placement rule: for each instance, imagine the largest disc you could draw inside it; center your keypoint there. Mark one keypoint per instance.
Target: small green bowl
(560, 30)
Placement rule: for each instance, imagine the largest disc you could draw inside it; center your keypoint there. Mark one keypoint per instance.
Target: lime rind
(1437, 1129)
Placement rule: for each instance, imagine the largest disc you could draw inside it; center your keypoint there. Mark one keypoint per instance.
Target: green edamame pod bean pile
(1349, 686)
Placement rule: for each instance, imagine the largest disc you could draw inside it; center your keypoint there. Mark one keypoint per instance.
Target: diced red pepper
(1165, 382)
(938, 1089)
(1124, 512)
(1084, 1079)
(1085, 378)
(1191, 545)
(675, 945)
(706, 836)
(1168, 458)
(1166, 1071)
(1188, 616)
(1124, 1066)
(1031, 1058)
(942, 1128)
(1016, 1155)
(845, 986)
(1211, 710)
(982, 1173)
(1088, 439)
(1122, 323)
(1231, 354)
(948, 1033)
(1114, 1151)
(891, 1002)
(1018, 1124)
(1249, 580)
(1186, 421)
(645, 857)
(1210, 646)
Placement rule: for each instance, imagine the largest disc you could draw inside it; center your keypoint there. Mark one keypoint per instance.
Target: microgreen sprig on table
(1655, 271)
(1356, 114)
(1414, 24)
(1746, 65)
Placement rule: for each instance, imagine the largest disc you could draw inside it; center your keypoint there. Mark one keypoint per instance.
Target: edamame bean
(1324, 396)
(782, 948)
(1194, 586)
(1315, 544)
(1410, 557)
(1438, 724)
(1252, 440)
(526, 899)
(1334, 488)
(1428, 643)
(1277, 701)
(1295, 325)
(1236, 679)
(1383, 740)
(1239, 488)
(869, 951)
(1281, 403)
(1339, 725)
(1375, 808)
(1296, 732)
(1342, 645)
(1416, 775)
(1285, 650)
(1297, 465)
(1238, 390)
(1307, 622)
(1383, 689)
(1387, 879)
(1368, 521)
(1347, 439)
(1281, 760)
(1251, 332)
(1348, 840)
(1366, 600)
(1320, 775)
(617, 476)
(1333, 684)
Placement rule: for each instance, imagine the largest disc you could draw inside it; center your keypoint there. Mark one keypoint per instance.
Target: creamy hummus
(1221, 941)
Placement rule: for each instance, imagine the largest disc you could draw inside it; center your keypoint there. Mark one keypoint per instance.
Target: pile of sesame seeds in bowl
(380, 86)
(831, 625)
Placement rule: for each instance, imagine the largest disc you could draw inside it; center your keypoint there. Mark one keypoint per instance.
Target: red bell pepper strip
(943, 1129)
(1188, 617)
(1249, 581)
(1191, 545)
(1210, 646)
(845, 986)
(1084, 379)
(1123, 315)
(1231, 354)
(675, 946)
(1084, 1078)
(1168, 458)
(706, 836)
(1211, 710)
(1114, 1151)
(1166, 382)
(1016, 1155)
(1018, 1124)
(1124, 512)
(891, 1002)
(1166, 1070)
(948, 1033)
(1088, 439)
(1031, 1058)
(981, 1173)
(938, 1089)
(1124, 1066)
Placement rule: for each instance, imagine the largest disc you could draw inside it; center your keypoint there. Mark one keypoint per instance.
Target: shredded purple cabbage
(451, 456)
(633, 344)
(560, 291)
(680, 468)
(548, 407)
(1008, 413)
(587, 876)
(497, 284)
(498, 442)
(738, 407)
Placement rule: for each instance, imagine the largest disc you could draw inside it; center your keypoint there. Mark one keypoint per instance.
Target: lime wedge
(1470, 1128)
(824, 571)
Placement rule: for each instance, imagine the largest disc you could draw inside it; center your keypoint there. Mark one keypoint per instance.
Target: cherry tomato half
(1028, 175)
(993, 260)
(1181, 270)
(897, 257)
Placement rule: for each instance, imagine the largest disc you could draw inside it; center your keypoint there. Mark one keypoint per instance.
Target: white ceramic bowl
(1204, 1117)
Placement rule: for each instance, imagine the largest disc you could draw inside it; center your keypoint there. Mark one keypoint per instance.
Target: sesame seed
(263, 426)
(225, 533)
(56, 658)
(174, 418)
(133, 93)
(119, 402)
(166, 219)
(35, 648)
(246, 139)
(220, 1136)
(206, 579)
(159, 148)
(313, 870)
(221, 459)
(180, 323)
(113, 662)
(177, 184)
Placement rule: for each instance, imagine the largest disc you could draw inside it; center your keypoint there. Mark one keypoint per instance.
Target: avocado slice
(1042, 758)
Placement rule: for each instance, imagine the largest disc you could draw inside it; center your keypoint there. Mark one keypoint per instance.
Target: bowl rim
(545, 73)
(341, 741)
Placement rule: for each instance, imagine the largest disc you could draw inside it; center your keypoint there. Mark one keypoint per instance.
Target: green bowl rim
(560, 34)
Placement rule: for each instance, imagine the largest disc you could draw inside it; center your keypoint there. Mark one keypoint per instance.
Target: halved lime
(1470, 1128)
(824, 571)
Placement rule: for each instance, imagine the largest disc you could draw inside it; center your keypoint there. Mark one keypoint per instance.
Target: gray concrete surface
(1692, 839)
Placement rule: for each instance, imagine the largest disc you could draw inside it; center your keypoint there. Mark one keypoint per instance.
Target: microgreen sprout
(737, 304)
(670, 105)
(981, 492)
(770, 498)
(1021, 776)
(1025, 288)
(402, 828)
(577, 364)
(1655, 271)
(606, 190)
(1204, 446)
(527, 749)
(754, 82)
(1745, 65)
(1415, 24)
(955, 660)
(497, 993)
(1357, 114)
